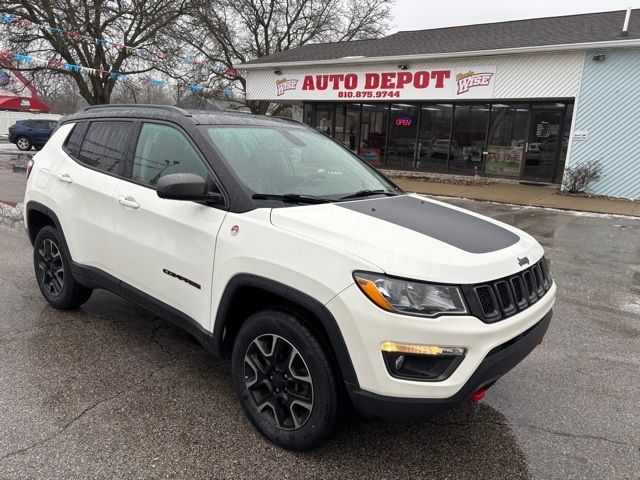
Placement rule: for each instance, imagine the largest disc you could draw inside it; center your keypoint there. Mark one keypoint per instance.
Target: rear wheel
(53, 272)
(23, 143)
(285, 381)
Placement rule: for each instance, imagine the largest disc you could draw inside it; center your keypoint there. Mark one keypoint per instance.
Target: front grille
(493, 301)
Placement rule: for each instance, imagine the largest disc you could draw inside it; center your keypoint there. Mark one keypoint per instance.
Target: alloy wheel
(23, 144)
(51, 267)
(278, 381)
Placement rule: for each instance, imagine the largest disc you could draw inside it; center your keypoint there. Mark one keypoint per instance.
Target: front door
(165, 248)
(543, 147)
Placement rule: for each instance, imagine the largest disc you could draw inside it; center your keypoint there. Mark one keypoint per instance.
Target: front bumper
(364, 326)
(498, 362)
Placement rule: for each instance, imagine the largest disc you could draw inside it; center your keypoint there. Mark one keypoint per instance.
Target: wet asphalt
(110, 391)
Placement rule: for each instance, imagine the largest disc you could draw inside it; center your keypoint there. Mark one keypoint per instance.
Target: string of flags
(142, 52)
(7, 56)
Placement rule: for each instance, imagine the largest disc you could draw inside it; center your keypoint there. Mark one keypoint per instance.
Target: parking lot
(109, 391)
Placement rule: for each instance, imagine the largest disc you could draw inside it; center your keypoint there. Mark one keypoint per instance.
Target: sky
(422, 14)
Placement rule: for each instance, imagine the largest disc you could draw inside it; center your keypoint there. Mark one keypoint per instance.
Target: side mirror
(186, 186)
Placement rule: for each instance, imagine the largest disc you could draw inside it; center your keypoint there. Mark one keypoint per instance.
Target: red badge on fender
(234, 230)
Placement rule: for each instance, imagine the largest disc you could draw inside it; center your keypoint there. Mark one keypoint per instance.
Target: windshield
(284, 161)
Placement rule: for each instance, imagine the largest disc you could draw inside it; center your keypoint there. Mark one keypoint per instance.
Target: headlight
(410, 297)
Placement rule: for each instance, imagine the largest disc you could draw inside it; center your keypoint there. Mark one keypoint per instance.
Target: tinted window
(163, 150)
(29, 124)
(73, 140)
(104, 146)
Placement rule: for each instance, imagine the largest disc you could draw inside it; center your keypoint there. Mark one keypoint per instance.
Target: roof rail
(288, 119)
(169, 108)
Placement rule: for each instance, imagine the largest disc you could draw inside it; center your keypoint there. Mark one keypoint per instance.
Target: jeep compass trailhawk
(276, 247)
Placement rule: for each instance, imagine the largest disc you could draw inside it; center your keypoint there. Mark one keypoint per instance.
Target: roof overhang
(23, 104)
(432, 56)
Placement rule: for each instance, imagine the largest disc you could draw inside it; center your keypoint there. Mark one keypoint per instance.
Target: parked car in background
(31, 133)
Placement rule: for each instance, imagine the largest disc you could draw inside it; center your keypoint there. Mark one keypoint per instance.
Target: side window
(163, 150)
(104, 146)
(72, 143)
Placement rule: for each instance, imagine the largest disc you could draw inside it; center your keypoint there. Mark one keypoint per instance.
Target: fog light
(413, 349)
(399, 362)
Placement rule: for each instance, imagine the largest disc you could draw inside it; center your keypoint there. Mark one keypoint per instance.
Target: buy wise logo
(468, 80)
(282, 85)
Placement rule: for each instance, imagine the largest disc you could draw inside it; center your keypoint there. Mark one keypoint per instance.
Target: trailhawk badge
(282, 85)
(467, 80)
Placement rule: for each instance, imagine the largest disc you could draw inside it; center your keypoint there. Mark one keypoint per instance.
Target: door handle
(64, 178)
(128, 202)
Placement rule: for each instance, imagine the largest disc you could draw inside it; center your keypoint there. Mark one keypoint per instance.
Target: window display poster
(504, 160)
(371, 155)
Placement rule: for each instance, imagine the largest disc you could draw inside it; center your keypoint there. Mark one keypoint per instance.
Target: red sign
(373, 81)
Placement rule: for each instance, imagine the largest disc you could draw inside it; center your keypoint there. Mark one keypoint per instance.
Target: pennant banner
(142, 52)
(19, 59)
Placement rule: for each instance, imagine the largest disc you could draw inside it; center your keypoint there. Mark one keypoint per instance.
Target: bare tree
(230, 32)
(143, 25)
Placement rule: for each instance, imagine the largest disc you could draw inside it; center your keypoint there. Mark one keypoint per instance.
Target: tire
(299, 393)
(23, 143)
(53, 272)
(38, 147)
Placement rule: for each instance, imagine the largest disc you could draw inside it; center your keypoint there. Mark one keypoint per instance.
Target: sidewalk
(515, 193)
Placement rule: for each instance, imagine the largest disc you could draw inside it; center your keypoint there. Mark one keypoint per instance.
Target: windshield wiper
(291, 198)
(366, 193)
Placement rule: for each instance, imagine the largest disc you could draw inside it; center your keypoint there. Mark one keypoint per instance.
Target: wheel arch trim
(296, 297)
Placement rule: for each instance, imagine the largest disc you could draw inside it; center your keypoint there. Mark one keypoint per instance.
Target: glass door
(543, 147)
(507, 139)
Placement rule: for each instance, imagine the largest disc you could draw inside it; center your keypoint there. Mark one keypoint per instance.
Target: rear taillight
(29, 168)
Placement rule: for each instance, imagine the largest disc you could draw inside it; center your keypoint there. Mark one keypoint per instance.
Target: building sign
(580, 136)
(446, 83)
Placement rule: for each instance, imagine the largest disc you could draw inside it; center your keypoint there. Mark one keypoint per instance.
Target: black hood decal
(450, 226)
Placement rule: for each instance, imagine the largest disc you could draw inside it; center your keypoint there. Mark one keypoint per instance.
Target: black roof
(568, 29)
(166, 112)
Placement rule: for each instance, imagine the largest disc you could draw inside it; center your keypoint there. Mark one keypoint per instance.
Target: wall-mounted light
(599, 58)
(403, 67)
(277, 72)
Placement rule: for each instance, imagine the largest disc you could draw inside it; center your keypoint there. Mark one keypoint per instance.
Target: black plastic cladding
(499, 299)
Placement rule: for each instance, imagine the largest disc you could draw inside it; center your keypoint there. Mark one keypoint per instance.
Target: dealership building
(520, 100)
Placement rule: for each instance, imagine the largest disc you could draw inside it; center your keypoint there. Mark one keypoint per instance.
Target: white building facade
(523, 112)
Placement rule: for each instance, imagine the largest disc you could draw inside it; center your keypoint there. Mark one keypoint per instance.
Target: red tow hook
(479, 395)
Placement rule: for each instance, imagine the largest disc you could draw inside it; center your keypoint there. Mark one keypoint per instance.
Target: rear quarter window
(72, 144)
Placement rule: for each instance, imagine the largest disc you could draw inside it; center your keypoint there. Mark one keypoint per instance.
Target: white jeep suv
(276, 247)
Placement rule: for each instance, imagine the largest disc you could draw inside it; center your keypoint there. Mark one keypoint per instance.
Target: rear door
(166, 248)
(41, 132)
(82, 190)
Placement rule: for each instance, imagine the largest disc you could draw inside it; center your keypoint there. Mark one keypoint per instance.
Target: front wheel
(285, 380)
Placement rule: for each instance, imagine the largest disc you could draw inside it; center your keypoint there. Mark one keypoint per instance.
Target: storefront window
(507, 139)
(308, 114)
(566, 132)
(347, 125)
(468, 138)
(403, 129)
(433, 141)
(545, 141)
(324, 118)
(374, 132)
